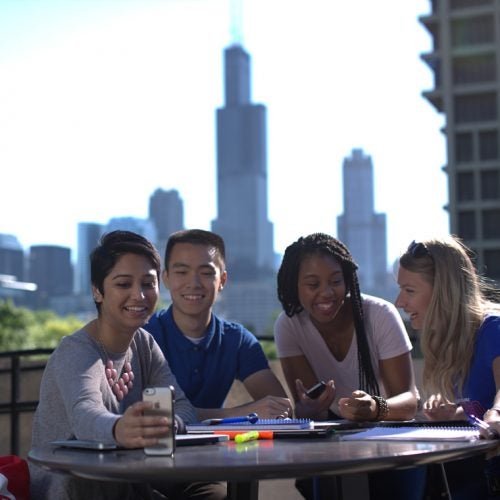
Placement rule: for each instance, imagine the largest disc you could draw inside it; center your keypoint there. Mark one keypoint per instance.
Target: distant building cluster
(45, 277)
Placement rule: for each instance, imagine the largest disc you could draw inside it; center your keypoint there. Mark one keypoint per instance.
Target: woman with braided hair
(329, 331)
(357, 343)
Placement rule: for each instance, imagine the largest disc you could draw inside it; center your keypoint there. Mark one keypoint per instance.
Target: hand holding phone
(316, 390)
(162, 399)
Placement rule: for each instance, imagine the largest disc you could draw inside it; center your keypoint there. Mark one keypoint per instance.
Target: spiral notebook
(268, 424)
(412, 433)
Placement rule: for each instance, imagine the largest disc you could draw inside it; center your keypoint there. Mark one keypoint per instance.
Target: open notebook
(410, 433)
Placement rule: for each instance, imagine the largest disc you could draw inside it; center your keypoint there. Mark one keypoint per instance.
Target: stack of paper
(416, 434)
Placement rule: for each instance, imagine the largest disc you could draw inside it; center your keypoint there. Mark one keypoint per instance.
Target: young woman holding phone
(93, 382)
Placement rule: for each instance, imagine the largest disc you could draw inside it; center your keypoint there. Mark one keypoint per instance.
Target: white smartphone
(163, 399)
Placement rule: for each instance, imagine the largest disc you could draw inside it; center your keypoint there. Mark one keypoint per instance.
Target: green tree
(15, 324)
(49, 332)
(21, 328)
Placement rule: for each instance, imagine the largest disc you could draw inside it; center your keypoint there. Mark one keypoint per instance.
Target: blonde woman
(447, 301)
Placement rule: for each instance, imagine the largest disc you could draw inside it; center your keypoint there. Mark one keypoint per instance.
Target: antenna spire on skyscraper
(236, 28)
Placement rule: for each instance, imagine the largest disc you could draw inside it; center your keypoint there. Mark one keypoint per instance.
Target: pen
(481, 424)
(251, 418)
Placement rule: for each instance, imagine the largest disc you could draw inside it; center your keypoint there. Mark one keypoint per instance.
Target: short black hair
(111, 247)
(288, 278)
(196, 237)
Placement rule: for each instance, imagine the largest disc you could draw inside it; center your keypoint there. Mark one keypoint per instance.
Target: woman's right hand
(135, 430)
(314, 408)
(438, 408)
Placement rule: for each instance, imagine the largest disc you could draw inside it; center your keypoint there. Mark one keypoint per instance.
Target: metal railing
(15, 406)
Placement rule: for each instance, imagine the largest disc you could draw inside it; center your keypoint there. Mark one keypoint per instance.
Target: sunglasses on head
(418, 250)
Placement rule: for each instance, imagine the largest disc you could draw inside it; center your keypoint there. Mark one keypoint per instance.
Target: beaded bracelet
(382, 407)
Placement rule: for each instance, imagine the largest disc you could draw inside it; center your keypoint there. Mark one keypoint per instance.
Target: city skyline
(103, 103)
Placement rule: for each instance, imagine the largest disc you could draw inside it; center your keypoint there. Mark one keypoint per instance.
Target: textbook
(414, 433)
(262, 424)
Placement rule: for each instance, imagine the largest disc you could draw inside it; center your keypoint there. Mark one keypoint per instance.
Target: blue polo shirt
(479, 387)
(206, 371)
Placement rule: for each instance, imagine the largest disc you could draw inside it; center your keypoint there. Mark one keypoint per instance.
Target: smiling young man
(205, 352)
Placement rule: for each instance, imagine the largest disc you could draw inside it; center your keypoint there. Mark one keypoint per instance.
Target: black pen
(481, 424)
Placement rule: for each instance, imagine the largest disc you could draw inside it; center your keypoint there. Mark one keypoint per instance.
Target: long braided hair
(288, 276)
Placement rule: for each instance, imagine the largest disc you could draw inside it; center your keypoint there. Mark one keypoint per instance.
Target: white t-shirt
(387, 337)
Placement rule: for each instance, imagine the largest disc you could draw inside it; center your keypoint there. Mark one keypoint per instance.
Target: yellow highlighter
(247, 436)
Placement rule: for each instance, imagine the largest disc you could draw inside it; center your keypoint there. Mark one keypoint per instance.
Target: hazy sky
(103, 101)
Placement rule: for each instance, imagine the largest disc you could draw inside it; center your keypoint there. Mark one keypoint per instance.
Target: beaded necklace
(120, 385)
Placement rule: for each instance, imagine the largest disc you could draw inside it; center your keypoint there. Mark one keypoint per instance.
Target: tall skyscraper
(465, 60)
(359, 227)
(166, 211)
(88, 237)
(51, 270)
(250, 295)
(242, 173)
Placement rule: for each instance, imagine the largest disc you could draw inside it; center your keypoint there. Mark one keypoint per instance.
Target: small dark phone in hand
(163, 405)
(316, 390)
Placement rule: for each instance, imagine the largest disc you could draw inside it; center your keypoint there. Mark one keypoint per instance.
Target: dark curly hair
(288, 276)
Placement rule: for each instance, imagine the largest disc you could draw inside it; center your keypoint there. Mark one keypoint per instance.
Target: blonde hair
(456, 310)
